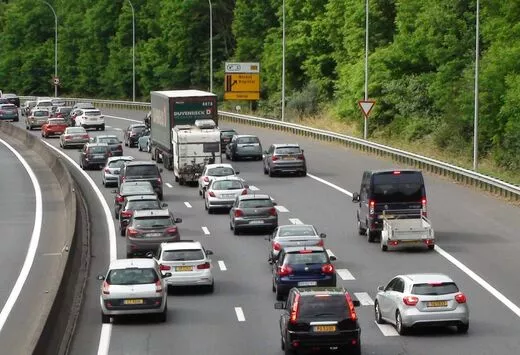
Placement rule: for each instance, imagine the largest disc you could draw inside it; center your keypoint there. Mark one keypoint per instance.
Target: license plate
(183, 268)
(134, 301)
(92, 119)
(324, 328)
(389, 216)
(154, 234)
(408, 241)
(307, 283)
(76, 138)
(256, 222)
(99, 156)
(228, 196)
(288, 158)
(438, 304)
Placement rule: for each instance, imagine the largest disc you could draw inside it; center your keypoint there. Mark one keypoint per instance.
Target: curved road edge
(44, 313)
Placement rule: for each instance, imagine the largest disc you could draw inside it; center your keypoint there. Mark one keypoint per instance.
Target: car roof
(245, 135)
(141, 162)
(427, 278)
(312, 291)
(107, 136)
(137, 125)
(123, 157)
(229, 177)
(383, 171)
(223, 165)
(132, 263)
(56, 119)
(181, 245)
(90, 109)
(286, 145)
(254, 197)
(9, 104)
(78, 128)
(288, 226)
(136, 183)
(297, 249)
(66, 107)
(151, 213)
(142, 197)
(90, 144)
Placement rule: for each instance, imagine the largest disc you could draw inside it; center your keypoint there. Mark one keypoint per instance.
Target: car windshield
(317, 306)
(152, 222)
(256, 203)
(97, 150)
(227, 185)
(292, 231)
(108, 140)
(92, 113)
(228, 134)
(129, 189)
(434, 289)
(132, 276)
(76, 130)
(248, 140)
(403, 187)
(41, 113)
(117, 164)
(221, 171)
(182, 255)
(305, 258)
(56, 122)
(142, 170)
(287, 150)
(143, 205)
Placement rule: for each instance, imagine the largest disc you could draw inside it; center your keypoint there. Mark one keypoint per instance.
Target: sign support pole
(365, 130)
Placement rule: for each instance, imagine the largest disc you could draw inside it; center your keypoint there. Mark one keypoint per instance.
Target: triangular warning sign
(366, 106)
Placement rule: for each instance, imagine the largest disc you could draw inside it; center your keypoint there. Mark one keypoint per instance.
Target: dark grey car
(94, 155)
(143, 171)
(293, 235)
(253, 212)
(284, 158)
(244, 146)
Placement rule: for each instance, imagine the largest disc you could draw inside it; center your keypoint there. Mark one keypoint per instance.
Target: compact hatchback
(225, 137)
(133, 286)
(253, 212)
(94, 155)
(132, 134)
(284, 158)
(37, 118)
(319, 319)
(421, 300)
(90, 118)
(302, 267)
(137, 203)
(131, 188)
(143, 171)
(222, 192)
(9, 112)
(213, 171)
(293, 235)
(54, 127)
(244, 146)
(113, 168)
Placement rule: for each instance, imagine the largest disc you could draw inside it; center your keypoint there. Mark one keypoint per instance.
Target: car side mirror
(209, 252)
(275, 203)
(246, 186)
(333, 258)
(120, 142)
(100, 277)
(355, 197)
(303, 151)
(279, 305)
(380, 288)
(237, 172)
(150, 254)
(164, 205)
(265, 152)
(178, 220)
(101, 116)
(356, 303)
(168, 274)
(323, 235)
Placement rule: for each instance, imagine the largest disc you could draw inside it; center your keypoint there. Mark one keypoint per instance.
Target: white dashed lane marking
(295, 221)
(169, 185)
(281, 209)
(388, 330)
(253, 188)
(364, 298)
(222, 266)
(187, 204)
(240, 314)
(345, 275)
(206, 231)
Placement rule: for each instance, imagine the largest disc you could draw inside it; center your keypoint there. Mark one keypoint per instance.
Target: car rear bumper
(284, 286)
(293, 167)
(412, 317)
(134, 309)
(202, 279)
(265, 223)
(220, 203)
(54, 133)
(248, 154)
(403, 244)
(312, 340)
(70, 143)
(96, 123)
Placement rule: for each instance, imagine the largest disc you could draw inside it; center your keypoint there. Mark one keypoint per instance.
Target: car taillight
(327, 269)
(120, 147)
(239, 213)
(204, 266)
(351, 308)
(244, 192)
(132, 231)
(284, 270)
(164, 267)
(211, 193)
(107, 170)
(86, 136)
(159, 180)
(109, 154)
(300, 157)
(321, 243)
(460, 297)
(424, 207)
(158, 286)
(127, 214)
(371, 206)
(295, 309)
(277, 246)
(120, 199)
(171, 230)
(272, 211)
(106, 285)
(410, 300)
(206, 179)
(132, 134)
(123, 178)
(67, 137)
(275, 158)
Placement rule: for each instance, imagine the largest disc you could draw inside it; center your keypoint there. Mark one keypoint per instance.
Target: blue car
(302, 267)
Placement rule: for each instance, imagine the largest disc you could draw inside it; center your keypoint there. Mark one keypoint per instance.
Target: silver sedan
(293, 235)
(113, 168)
(222, 192)
(419, 300)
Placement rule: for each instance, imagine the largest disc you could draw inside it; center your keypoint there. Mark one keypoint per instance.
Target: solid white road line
(281, 209)
(206, 230)
(187, 204)
(106, 329)
(345, 275)
(253, 188)
(168, 184)
(222, 266)
(240, 314)
(33, 243)
(295, 221)
(124, 119)
(388, 330)
(364, 298)
(479, 280)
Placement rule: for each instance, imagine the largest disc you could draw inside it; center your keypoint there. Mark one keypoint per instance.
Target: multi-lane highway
(477, 236)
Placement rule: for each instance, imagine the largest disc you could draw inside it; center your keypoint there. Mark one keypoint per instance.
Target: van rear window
(403, 187)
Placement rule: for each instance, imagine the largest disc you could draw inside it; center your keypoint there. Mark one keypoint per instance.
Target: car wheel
(200, 192)
(211, 288)
(102, 127)
(273, 287)
(353, 350)
(270, 172)
(160, 195)
(236, 231)
(139, 147)
(377, 314)
(282, 344)
(303, 173)
(232, 156)
(431, 247)
(105, 318)
(371, 236)
(361, 230)
(116, 214)
(163, 316)
(401, 329)
(265, 170)
(122, 232)
(463, 328)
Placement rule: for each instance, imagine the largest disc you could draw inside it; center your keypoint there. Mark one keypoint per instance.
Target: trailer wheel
(181, 181)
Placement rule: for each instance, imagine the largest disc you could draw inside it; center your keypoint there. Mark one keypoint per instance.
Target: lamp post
(210, 46)
(475, 118)
(283, 60)
(365, 130)
(55, 46)
(133, 50)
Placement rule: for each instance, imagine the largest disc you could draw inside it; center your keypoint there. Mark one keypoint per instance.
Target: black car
(113, 142)
(320, 318)
(133, 188)
(392, 192)
(133, 133)
(143, 171)
(137, 203)
(148, 119)
(94, 155)
(225, 137)
(12, 99)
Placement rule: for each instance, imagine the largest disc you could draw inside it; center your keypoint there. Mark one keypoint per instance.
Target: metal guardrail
(481, 181)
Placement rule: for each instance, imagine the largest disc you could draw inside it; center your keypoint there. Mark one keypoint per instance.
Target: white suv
(90, 118)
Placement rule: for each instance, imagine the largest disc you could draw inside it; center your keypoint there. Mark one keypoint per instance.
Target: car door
(363, 198)
(284, 317)
(277, 264)
(268, 156)
(202, 176)
(232, 145)
(270, 240)
(232, 211)
(385, 300)
(396, 298)
(83, 153)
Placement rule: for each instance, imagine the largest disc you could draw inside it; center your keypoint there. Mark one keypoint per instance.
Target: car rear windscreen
(248, 140)
(323, 306)
(108, 140)
(132, 276)
(434, 289)
(41, 113)
(258, 203)
(152, 222)
(143, 205)
(56, 122)
(221, 171)
(138, 128)
(402, 187)
(117, 164)
(296, 231)
(306, 258)
(228, 134)
(142, 170)
(92, 113)
(133, 189)
(182, 255)
(287, 150)
(227, 185)
(97, 150)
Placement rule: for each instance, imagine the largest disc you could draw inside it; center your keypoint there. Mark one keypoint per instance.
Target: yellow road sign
(241, 82)
(242, 96)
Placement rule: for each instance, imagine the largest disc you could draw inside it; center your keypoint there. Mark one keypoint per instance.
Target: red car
(54, 127)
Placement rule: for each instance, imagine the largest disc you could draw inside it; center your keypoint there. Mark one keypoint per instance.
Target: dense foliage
(421, 58)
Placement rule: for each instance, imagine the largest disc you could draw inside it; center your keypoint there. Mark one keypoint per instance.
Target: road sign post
(242, 81)
(366, 107)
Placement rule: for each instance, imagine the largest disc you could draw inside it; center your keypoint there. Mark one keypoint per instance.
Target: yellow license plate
(183, 268)
(438, 304)
(134, 301)
(324, 328)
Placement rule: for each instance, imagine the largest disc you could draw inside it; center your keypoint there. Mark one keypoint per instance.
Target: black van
(390, 190)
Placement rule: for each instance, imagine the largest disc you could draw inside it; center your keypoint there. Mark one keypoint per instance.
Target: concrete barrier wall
(56, 331)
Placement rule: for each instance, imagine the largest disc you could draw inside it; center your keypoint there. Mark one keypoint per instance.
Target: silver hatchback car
(222, 192)
(293, 235)
(133, 286)
(418, 300)
(253, 212)
(284, 158)
(113, 168)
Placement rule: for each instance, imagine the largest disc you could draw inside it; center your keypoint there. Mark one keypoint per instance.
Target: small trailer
(406, 228)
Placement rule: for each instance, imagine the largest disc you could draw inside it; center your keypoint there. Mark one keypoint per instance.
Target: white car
(187, 263)
(212, 171)
(90, 118)
(133, 286)
(223, 191)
